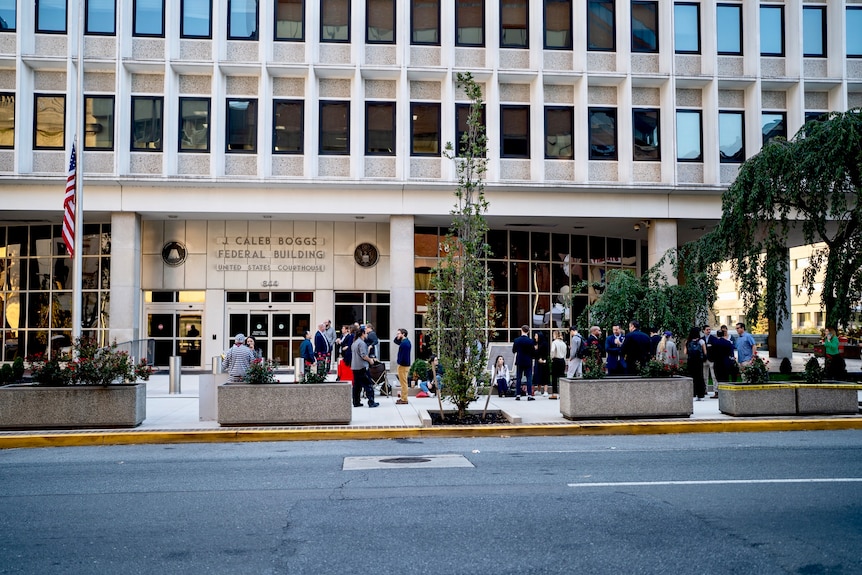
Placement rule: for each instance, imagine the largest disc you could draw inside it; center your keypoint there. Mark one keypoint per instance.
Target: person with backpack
(577, 352)
(558, 362)
(695, 349)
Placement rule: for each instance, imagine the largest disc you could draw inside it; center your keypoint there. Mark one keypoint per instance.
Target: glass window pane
(559, 127)
(686, 28)
(7, 122)
(462, 114)
(99, 123)
(603, 134)
(241, 126)
(334, 128)
(771, 30)
(729, 28)
(854, 25)
(149, 18)
(146, 123)
(100, 17)
(8, 15)
(381, 22)
(558, 24)
(289, 20)
(645, 128)
(469, 22)
(813, 31)
(515, 128)
(287, 124)
(242, 20)
(773, 124)
(196, 19)
(601, 25)
(335, 21)
(644, 27)
(425, 22)
(51, 16)
(380, 128)
(424, 129)
(194, 124)
(689, 139)
(49, 121)
(513, 24)
(731, 137)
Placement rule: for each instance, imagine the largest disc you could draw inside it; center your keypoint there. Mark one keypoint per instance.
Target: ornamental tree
(458, 309)
(811, 185)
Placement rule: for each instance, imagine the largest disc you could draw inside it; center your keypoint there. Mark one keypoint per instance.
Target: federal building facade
(259, 166)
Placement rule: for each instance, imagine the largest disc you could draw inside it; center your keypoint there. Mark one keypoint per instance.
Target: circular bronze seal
(174, 254)
(366, 255)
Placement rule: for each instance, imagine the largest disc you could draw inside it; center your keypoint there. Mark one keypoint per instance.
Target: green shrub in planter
(813, 371)
(785, 368)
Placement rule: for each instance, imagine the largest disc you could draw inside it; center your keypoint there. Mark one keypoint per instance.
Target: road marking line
(719, 482)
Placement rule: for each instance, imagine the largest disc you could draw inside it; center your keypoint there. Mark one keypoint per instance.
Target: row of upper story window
(289, 22)
(194, 124)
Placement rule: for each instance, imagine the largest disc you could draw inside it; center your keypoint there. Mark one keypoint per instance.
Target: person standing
(746, 347)
(666, 351)
(306, 352)
(359, 365)
(237, 359)
(722, 359)
(558, 362)
(708, 362)
(576, 342)
(523, 348)
(594, 343)
(540, 365)
(372, 340)
(322, 351)
(249, 341)
(695, 349)
(614, 349)
(346, 354)
(330, 337)
(835, 366)
(403, 361)
(635, 348)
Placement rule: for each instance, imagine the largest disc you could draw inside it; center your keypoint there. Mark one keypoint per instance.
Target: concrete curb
(233, 435)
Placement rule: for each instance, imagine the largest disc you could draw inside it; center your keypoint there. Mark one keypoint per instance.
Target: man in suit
(322, 349)
(614, 347)
(524, 350)
(636, 348)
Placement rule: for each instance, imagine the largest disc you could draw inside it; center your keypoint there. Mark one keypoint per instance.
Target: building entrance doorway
(278, 333)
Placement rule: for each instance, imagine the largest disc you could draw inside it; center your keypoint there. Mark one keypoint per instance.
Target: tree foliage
(811, 185)
(458, 311)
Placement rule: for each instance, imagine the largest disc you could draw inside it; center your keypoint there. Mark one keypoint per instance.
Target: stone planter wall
(788, 399)
(284, 403)
(827, 399)
(626, 397)
(33, 407)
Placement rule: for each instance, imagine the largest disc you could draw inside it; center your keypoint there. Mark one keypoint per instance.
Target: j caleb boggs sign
(271, 253)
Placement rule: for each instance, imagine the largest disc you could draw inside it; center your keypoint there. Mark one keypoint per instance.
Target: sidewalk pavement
(174, 418)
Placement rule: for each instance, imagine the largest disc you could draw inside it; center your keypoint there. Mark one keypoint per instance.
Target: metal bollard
(217, 365)
(298, 369)
(175, 368)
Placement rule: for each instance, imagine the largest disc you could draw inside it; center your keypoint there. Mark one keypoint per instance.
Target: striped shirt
(236, 362)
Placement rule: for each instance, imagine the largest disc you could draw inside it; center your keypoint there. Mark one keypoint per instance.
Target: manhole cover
(405, 460)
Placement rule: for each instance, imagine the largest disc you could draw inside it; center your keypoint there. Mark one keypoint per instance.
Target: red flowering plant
(261, 371)
(655, 369)
(50, 371)
(89, 364)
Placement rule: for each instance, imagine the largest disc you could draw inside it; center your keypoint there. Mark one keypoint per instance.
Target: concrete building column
(402, 286)
(661, 238)
(125, 307)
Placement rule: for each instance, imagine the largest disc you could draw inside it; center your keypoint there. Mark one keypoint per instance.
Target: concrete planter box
(626, 397)
(284, 403)
(769, 399)
(95, 407)
(827, 398)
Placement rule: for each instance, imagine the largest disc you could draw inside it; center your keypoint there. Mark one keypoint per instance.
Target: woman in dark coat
(695, 349)
(540, 363)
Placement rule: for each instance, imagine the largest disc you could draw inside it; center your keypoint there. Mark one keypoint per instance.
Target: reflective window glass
(149, 18)
(51, 16)
(290, 20)
(558, 24)
(99, 123)
(7, 120)
(462, 115)
(287, 126)
(196, 19)
(686, 28)
(515, 128)
(425, 22)
(559, 127)
(603, 133)
(380, 128)
(731, 137)
(814, 30)
(771, 30)
(601, 25)
(854, 25)
(147, 123)
(335, 128)
(242, 20)
(380, 18)
(689, 136)
(8, 15)
(100, 17)
(424, 129)
(644, 26)
(729, 28)
(241, 135)
(773, 124)
(645, 129)
(49, 122)
(335, 20)
(194, 125)
(469, 22)
(514, 19)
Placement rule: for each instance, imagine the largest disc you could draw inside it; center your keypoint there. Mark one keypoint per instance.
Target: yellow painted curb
(67, 439)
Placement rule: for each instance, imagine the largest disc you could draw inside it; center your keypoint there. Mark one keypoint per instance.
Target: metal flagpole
(77, 281)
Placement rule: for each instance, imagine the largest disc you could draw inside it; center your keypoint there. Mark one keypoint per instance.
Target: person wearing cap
(237, 359)
(666, 351)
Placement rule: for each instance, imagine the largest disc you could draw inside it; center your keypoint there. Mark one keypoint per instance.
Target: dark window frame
(209, 33)
(254, 37)
(413, 41)
(780, 8)
(611, 111)
(36, 97)
(413, 152)
(14, 27)
(481, 43)
(847, 10)
(521, 46)
(732, 160)
(394, 127)
(650, 50)
(613, 10)
(334, 40)
(783, 115)
(301, 128)
(137, 34)
(161, 139)
(180, 148)
(87, 31)
(368, 40)
(113, 121)
(65, 25)
(512, 108)
(465, 108)
(699, 158)
(824, 50)
(11, 95)
(738, 8)
(252, 102)
(571, 111)
(275, 36)
(657, 112)
(569, 45)
(325, 104)
(696, 6)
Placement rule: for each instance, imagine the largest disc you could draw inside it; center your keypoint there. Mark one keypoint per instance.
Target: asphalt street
(715, 503)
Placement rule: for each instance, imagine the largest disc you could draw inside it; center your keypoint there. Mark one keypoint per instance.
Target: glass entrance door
(277, 333)
(175, 333)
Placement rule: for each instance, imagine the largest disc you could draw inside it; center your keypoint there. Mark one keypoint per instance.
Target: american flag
(69, 205)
